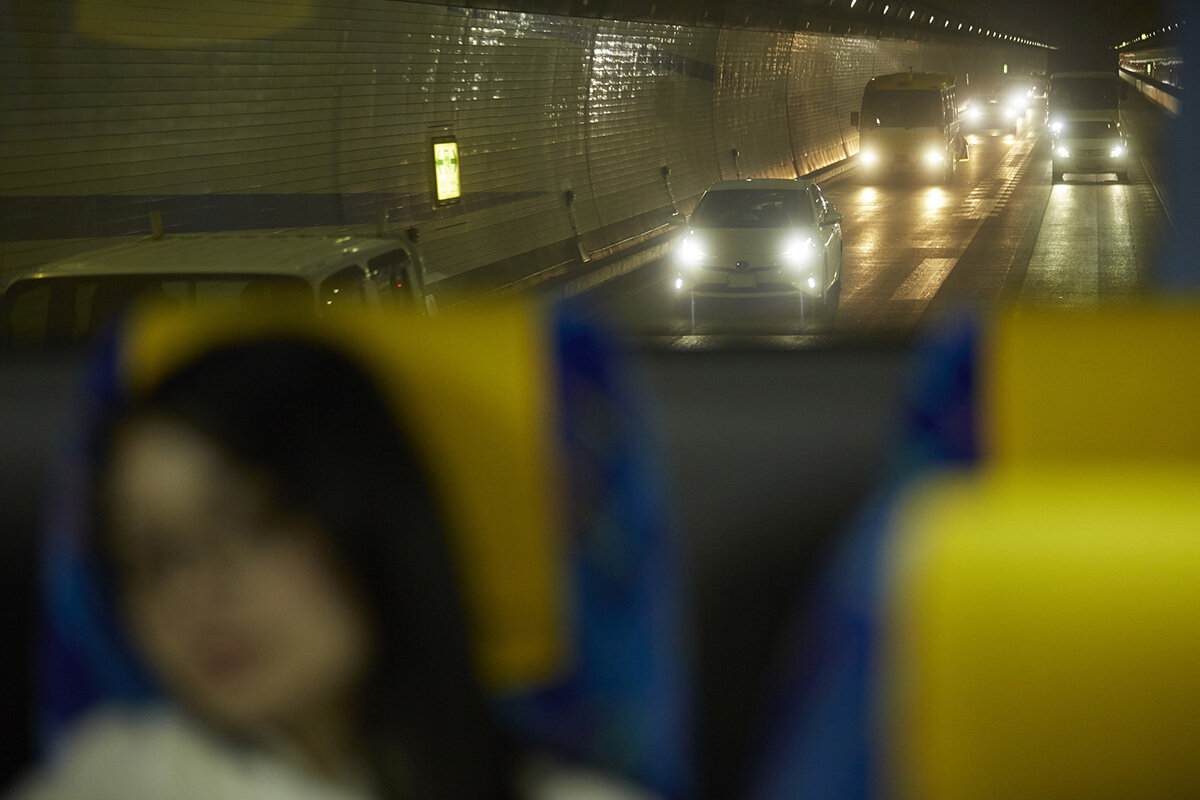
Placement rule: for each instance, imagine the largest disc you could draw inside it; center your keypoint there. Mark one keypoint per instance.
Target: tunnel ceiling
(1066, 23)
(1060, 23)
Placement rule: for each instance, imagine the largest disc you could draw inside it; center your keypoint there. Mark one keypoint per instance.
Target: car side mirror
(855, 119)
(831, 218)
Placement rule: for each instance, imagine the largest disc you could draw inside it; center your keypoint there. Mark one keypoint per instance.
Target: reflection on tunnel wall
(324, 121)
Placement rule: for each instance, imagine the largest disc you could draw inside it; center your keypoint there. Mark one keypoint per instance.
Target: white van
(1084, 96)
(67, 300)
(909, 123)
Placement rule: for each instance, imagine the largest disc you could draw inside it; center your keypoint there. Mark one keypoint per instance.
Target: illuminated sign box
(447, 184)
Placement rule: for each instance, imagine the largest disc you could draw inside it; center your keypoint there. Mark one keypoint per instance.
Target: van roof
(911, 80)
(298, 255)
(760, 183)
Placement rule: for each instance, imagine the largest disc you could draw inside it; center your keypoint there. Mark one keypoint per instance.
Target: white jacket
(162, 755)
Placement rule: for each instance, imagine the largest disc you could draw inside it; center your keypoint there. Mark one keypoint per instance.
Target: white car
(1089, 146)
(67, 300)
(758, 241)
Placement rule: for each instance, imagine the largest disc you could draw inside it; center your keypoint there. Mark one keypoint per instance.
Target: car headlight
(691, 251)
(1117, 151)
(934, 157)
(868, 157)
(1062, 152)
(972, 114)
(799, 252)
(1056, 126)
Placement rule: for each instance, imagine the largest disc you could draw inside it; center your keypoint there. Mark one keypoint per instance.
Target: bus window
(26, 313)
(69, 310)
(394, 271)
(344, 288)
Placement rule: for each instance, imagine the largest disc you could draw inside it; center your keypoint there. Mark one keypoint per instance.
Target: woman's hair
(332, 447)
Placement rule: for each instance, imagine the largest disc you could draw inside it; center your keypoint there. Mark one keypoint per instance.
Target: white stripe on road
(925, 280)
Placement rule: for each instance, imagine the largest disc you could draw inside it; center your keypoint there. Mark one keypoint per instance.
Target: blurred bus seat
(33, 395)
(1019, 622)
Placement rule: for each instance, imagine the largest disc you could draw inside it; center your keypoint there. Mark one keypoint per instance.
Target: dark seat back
(33, 392)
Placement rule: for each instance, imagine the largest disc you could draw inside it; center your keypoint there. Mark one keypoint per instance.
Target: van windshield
(1090, 129)
(1085, 93)
(894, 109)
(67, 310)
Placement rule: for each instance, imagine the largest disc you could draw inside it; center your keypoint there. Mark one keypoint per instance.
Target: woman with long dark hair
(266, 541)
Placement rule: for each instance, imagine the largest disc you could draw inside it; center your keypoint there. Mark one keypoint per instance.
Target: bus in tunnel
(924, 530)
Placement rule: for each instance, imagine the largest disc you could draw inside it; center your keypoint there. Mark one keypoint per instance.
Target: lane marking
(980, 204)
(925, 280)
(999, 185)
(1064, 268)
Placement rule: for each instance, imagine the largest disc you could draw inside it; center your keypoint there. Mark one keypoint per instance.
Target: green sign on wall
(447, 181)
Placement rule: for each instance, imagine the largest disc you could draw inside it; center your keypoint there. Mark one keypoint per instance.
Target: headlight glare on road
(1062, 152)
(691, 251)
(1117, 151)
(934, 157)
(799, 251)
(869, 157)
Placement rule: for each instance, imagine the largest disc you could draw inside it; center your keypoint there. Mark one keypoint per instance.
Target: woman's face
(237, 607)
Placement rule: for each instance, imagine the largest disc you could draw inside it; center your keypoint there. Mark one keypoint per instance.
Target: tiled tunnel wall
(240, 114)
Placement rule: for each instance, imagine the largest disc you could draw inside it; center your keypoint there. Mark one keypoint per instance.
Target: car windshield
(68, 310)
(902, 109)
(754, 208)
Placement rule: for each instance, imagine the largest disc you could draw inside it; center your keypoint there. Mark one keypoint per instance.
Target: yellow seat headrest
(1043, 635)
(1119, 382)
